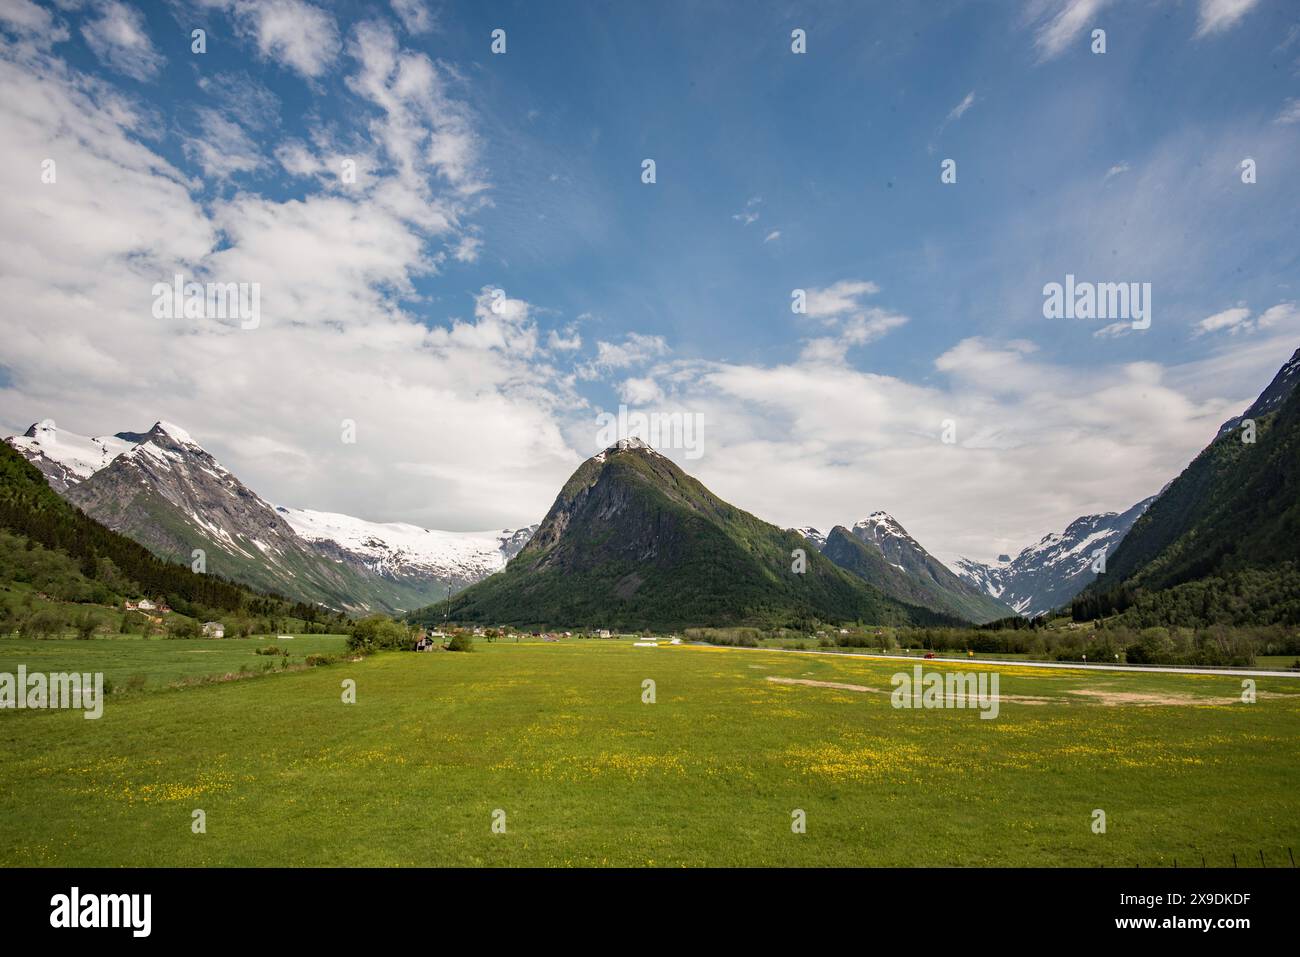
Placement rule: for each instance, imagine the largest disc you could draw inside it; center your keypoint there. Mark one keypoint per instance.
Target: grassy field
(556, 736)
(159, 662)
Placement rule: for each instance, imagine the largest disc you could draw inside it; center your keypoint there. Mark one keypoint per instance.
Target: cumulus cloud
(838, 298)
(640, 391)
(434, 395)
(849, 322)
(26, 18)
(415, 15)
(1239, 319)
(117, 36)
(221, 148)
(635, 349)
(294, 33)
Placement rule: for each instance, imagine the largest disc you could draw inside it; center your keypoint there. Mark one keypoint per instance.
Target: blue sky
(775, 171)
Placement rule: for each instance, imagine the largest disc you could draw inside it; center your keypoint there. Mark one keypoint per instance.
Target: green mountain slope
(930, 585)
(632, 541)
(1226, 531)
(31, 509)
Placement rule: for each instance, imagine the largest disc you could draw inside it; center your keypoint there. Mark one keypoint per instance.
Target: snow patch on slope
(389, 546)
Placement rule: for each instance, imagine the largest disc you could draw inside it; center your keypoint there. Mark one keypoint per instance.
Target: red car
(929, 654)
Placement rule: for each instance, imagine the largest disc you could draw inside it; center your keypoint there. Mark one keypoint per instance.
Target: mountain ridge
(163, 489)
(632, 541)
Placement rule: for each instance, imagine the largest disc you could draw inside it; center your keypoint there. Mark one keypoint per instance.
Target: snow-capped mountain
(880, 551)
(1049, 573)
(397, 548)
(66, 458)
(164, 490)
(813, 535)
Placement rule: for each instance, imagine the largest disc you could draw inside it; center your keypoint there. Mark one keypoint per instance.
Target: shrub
(461, 641)
(178, 627)
(379, 632)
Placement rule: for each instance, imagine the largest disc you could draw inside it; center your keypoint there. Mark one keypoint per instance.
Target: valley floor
(554, 739)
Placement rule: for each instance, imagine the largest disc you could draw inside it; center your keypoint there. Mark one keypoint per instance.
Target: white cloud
(568, 340)
(25, 17)
(297, 34)
(118, 38)
(415, 15)
(957, 111)
(1281, 315)
(640, 391)
(1114, 330)
(1233, 320)
(1116, 170)
(1060, 23)
(223, 148)
(772, 236)
(1290, 112)
(1216, 16)
(749, 214)
(1238, 319)
(820, 443)
(838, 298)
(458, 418)
(840, 309)
(635, 349)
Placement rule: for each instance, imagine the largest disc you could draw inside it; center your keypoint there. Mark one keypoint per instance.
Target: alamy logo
(134, 911)
(951, 690)
(208, 300)
(1102, 300)
(660, 430)
(59, 690)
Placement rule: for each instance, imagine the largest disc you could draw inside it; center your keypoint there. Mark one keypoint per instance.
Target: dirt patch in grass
(1018, 698)
(825, 684)
(1148, 699)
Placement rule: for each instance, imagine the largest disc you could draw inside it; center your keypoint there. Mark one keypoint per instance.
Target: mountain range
(1047, 574)
(879, 551)
(632, 541)
(162, 489)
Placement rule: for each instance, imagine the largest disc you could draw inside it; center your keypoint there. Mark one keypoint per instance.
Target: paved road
(1072, 665)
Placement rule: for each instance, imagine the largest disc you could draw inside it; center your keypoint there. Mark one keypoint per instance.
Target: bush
(379, 632)
(178, 627)
(461, 642)
(268, 650)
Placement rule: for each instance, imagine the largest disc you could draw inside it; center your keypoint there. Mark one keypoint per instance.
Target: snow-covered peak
(630, 444)
(172, 431)
(878, 526)
(813, 535)
(80, 455)
(389, 545)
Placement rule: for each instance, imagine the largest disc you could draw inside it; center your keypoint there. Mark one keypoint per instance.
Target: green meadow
(557, 738)
(134, 663)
